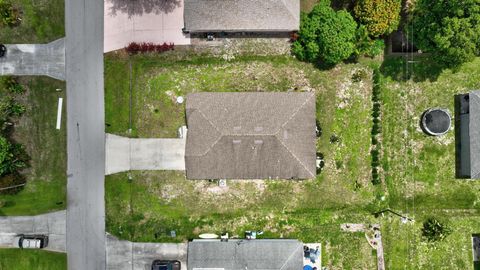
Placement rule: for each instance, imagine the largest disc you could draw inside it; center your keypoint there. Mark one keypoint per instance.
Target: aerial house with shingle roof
(250, 135)
(241, 16)
(467, 135)
(240, 254)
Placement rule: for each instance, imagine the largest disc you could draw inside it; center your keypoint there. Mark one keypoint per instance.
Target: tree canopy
(380, 17)
(450, 30)
(325, 35)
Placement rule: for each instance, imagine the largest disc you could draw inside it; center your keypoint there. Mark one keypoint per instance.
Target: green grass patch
(42, 22)
(46, 146)
(24, 259)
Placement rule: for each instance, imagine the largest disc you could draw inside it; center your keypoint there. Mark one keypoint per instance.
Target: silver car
(30, 241)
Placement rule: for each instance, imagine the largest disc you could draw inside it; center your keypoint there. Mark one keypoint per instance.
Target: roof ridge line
(216, 128)
(286, 122)
(299, 161)
(289, 258)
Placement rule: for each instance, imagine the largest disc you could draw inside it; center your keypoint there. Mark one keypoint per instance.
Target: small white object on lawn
(180, 100)
(59, 112)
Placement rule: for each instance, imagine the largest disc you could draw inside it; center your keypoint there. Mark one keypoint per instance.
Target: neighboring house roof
(252, 135)
(474, 128)
(241, 15)
(263, 254)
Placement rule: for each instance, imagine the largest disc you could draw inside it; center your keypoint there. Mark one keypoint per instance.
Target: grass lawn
(24, 259)
(42, 22)
(46, 177)
(157, 202)
(417, 170)
(420, 170)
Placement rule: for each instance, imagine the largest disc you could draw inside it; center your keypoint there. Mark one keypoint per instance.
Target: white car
(30, 241)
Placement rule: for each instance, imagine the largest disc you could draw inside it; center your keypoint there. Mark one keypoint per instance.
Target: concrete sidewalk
(125, 154)
(52, 224)
(35, 59)
(126, 22)
(126, 255)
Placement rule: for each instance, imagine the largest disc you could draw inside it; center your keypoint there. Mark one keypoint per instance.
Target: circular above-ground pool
(436, 121)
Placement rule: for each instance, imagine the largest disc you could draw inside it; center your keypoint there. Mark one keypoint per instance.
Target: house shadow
(140, 7)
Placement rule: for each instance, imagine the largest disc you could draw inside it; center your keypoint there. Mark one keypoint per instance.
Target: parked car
(30, 241)
(165, 265)
(3, 50)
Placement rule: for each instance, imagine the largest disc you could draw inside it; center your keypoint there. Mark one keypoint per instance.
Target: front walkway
(35, 59)
(143, 21)
(125, 154)
(51, 224)
(126, 255)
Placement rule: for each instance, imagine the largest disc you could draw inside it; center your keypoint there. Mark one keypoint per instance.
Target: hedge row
(134, 48)
(377, 127)
(13, 157)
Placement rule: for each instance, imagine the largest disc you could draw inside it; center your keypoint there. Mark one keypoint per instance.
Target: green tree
(380, 17)
(448, 29)
(325, 35)
(433, 230)
(10, 160)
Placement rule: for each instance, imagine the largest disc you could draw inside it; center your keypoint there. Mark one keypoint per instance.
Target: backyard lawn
(46, 146)
(419, 170)
(24, 259)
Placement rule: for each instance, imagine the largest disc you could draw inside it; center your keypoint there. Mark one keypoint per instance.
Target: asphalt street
(86, 136)
(51, 224)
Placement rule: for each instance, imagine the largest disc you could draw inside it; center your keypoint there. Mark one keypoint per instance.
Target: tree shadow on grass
(418, 69)
(139, 7)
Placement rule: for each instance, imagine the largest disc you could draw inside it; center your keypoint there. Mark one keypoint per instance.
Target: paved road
(124, 154)
(52, 224)
(86, 137)
(35, 59)
(125, 255)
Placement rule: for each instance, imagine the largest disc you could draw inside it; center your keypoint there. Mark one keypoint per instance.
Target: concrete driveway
(125, 154)
(52, 224)
(143, 21)
(126, 255)
(35, 59)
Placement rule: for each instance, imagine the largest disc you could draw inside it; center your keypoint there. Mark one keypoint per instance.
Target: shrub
(450, 30)
(134, 48)
(325, 35)
(10, 16)
(367, 46)
(13, 86)
(380, 17)
(433, 230)
(11, 157)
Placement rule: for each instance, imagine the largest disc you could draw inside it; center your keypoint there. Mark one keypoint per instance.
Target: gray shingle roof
(250, 135)
(278, 254)
(474, 99)
(241, 15)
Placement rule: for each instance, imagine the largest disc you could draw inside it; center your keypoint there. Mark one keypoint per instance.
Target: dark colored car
(30, 241)
(3, 50)
(165, 265)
